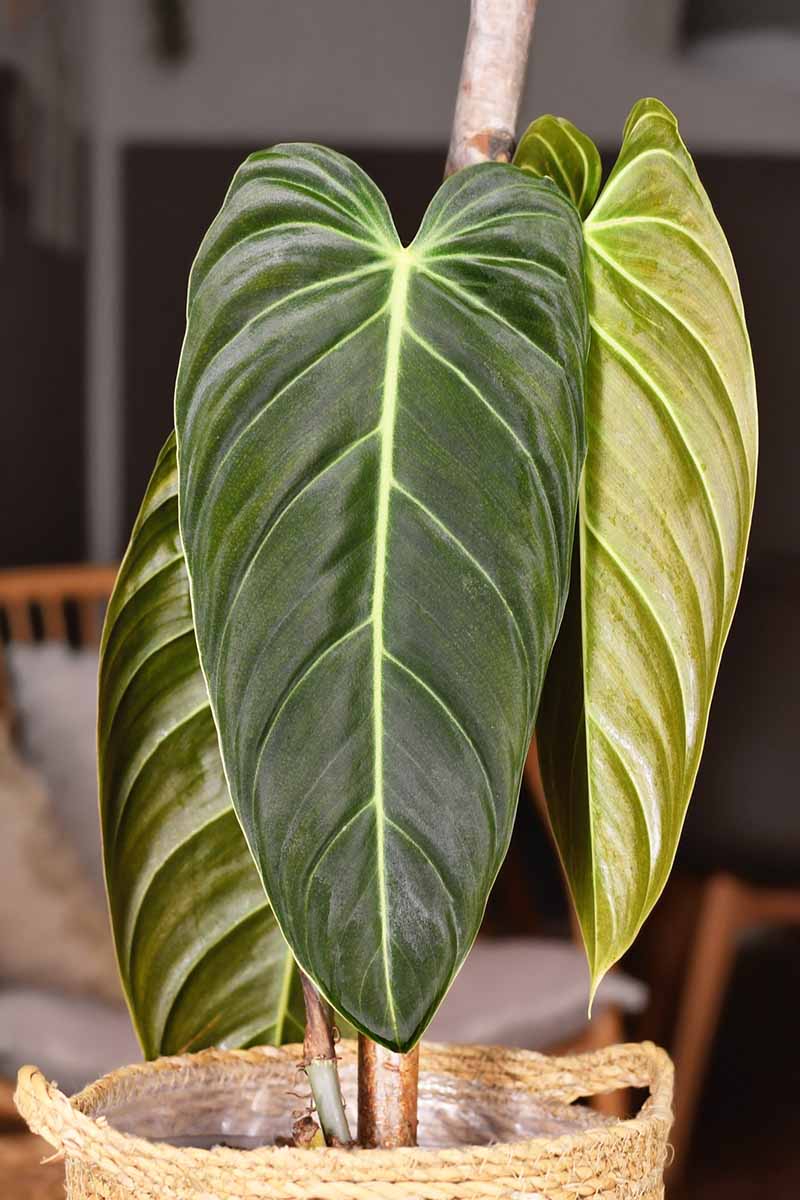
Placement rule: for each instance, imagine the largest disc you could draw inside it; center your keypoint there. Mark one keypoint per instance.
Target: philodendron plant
(392, 468)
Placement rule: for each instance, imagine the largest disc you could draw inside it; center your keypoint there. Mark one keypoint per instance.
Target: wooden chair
(739, 861)
(45, 601)
(729, 907)
(50, 591)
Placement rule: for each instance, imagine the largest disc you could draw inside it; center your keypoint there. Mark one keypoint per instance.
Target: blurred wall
(355, 73)
(368, 71)
(42, 298)
(42, 291)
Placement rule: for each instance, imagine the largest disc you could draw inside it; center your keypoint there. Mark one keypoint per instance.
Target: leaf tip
(594, 983)
(648, 106)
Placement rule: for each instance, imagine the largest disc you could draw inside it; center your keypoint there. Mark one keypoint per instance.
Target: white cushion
(55, 695)
(54, 928)
(531, 993)
(72, 1040)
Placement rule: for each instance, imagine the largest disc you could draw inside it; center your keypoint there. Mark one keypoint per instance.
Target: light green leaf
(379, 455)
(664, 517)
(553, 148)
(201, 957)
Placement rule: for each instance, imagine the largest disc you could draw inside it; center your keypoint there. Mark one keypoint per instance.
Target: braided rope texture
(622, 1160)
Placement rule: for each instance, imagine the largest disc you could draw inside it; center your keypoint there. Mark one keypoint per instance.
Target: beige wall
(386, 70)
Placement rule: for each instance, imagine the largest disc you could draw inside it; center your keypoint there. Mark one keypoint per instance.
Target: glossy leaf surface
(664, 517)
(379, 456)
(552, 147)
(202, 959)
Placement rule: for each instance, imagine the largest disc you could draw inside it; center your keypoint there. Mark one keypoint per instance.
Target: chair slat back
(35, 603)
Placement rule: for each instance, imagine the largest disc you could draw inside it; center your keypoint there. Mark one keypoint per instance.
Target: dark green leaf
(379, 455)
(202, 959)
(664, 518)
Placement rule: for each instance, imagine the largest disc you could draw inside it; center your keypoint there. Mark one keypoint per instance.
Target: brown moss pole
(492, 79)
(387, 1096)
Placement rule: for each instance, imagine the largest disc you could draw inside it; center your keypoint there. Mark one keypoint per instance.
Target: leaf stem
(323, 1076)
(322, 1069)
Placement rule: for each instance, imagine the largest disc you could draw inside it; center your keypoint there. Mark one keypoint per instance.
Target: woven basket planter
(468, 1094)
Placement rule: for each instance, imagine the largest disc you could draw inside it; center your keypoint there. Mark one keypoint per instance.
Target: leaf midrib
(398, 299)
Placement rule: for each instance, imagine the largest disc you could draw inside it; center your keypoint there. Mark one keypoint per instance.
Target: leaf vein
(448, 532)
(648, 604)
(635, 368)
(312, 666)
(319, 285)
(448, 712)
(536, 472)
(270, 529)
(198, 962)
(152, 752)
(470, 298)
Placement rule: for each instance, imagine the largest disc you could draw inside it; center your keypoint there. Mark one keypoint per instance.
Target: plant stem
(492, 78)
(322, 1069)
(387, 1096)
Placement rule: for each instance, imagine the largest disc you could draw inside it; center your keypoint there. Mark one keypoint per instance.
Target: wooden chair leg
(723, 911)
(607, 1029)
(660, 955)
(10, 1120)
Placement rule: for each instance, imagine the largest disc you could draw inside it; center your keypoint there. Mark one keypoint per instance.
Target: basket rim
(70, 1126)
